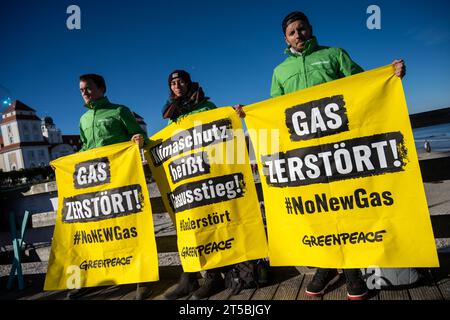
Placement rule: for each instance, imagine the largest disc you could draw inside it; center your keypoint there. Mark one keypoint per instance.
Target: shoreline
(432, 155)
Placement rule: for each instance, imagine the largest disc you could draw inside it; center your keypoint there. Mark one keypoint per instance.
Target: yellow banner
(104, 226)
(340, 176)
(202, 170)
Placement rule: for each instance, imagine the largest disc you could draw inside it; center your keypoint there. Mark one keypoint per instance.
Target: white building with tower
(28, 141)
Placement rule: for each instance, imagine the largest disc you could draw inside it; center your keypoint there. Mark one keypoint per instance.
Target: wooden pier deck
(285, 283)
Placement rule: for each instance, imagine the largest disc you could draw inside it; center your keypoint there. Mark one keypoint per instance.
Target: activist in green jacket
(314, 65)
(186, 97)
(106, 123)
(308, 65)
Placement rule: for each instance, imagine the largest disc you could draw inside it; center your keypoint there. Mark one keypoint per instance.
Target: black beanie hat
(293, 16)
(179, 74)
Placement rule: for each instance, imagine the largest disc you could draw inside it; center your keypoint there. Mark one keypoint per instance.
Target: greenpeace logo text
(105, 263)
(206, 249)
(343, 238)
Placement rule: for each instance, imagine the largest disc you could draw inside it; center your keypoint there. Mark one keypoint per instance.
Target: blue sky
(230, 47)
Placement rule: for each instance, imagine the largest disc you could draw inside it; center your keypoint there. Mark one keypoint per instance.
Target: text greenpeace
(343, 238)
(349, 159)
(102, 205)
(206, 249)
(105, 263)
(190, 139)
(317, 118)
(208, 191)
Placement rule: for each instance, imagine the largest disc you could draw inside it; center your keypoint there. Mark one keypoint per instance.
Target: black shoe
(356, 287)
(78, 293)
(323, 278)
(213, 284)
(187, 284)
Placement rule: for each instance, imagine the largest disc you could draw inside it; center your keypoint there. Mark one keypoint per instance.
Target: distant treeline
(430, 118)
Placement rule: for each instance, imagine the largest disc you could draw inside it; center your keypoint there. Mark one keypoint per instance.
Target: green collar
(310, 46)
(98, 104)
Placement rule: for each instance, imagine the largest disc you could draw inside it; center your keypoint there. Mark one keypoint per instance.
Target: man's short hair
(96, 78)
(294, 16)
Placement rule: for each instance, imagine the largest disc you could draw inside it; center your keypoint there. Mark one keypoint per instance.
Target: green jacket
(315, 65)
(106, 123)
(202, 106)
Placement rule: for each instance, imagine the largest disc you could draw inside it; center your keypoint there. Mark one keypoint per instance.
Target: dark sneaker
(213, 284)
(187, 284)
(356, 286)
(323, 278)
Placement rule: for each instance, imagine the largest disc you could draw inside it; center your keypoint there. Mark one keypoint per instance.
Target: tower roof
(18, 105)
(48, 121)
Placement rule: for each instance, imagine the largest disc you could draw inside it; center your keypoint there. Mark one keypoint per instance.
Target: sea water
(438, 137)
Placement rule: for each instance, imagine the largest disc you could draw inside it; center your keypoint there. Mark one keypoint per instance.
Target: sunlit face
(297, 33)
(89, 91)
(179, 87)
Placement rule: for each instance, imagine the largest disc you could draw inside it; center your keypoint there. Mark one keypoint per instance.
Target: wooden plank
(245, 294)
(54, 295)
(394, 295)
(117, 292)
(444, 287)
(130, 293)
(441, 225)
(94, 293)
(48, 295)
(374, 295)
(302, 293)
(24, 294)
(425, 292)
(338, 291)
(265, 293)
(222, 295)
(288, 289)
(158, 289)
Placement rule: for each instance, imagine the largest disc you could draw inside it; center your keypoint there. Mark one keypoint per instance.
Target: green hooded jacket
(106, 123)
(315, 65)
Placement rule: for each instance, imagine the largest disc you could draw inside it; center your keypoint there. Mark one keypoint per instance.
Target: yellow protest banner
(104, 226)
(201, 167)
(340, 176)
